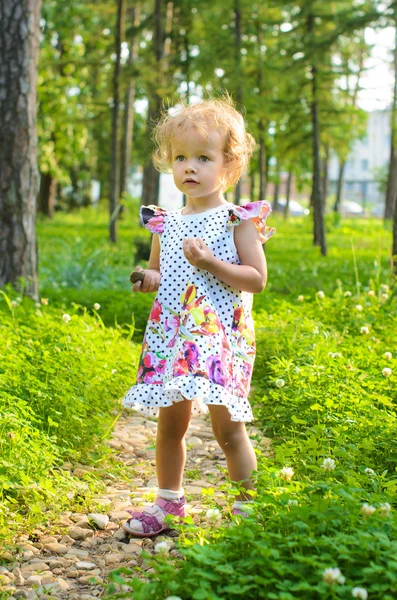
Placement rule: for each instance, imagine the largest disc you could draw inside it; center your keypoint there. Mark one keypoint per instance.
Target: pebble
(85, 566)
(100, 520)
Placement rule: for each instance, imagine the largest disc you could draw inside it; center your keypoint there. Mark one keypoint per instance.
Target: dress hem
(202, 393)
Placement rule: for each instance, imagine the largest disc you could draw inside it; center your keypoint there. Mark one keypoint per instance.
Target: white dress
(199, 342)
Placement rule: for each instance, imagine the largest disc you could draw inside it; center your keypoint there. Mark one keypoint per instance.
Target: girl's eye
(206, 157)
(178, 157)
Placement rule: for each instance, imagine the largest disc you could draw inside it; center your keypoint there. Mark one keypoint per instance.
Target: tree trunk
(288, 194)
(394, 249)
(319, 230)
(151, 177)
(252, 186)
(325, 177)
(391, 192)
(239, 88)
(47, 193)
(114, 181)
(262, 162)
(126, 146)
(19, 43)
(339, 189)
(276, 191)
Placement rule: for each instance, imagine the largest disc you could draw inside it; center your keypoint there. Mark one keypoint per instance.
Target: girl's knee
(230, 438)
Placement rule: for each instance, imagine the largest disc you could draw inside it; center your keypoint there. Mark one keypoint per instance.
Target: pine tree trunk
(19, 43)
(114, 180)
(151, 177)
(391, 192)
(126, 146)
(288, 194)
(47, 194)
(239, 88)
(319, 229)
(339, 189)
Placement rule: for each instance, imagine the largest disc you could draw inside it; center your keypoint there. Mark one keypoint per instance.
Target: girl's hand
(197, 252)
(150, 282)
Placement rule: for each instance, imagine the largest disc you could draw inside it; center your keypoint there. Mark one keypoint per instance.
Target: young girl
(206, 262)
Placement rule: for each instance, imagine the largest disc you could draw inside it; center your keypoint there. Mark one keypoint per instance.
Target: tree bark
(47, 194)
(126, 146)
(325, 177)
(239, 88)
(151, 177)
(114, 180)
(288, 193)
(339, 189)
(391, 192)
(276, 191)
(19, 50)
(319, 229)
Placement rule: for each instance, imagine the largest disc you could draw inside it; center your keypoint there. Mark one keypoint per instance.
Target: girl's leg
(235, 443)
(173, 423)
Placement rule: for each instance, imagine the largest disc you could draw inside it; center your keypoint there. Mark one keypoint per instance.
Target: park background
(75, 141)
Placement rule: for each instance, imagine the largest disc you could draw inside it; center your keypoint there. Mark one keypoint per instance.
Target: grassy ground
(324, 389)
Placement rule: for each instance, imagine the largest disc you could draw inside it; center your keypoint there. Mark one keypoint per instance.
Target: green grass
(319, 390)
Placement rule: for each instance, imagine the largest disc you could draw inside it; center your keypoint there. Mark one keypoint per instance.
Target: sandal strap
(149, 522)
(173, 508)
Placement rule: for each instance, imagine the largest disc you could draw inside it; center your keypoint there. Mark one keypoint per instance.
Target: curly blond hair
(219, 113)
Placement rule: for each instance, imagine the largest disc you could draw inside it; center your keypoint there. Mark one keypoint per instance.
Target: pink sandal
(151, 525)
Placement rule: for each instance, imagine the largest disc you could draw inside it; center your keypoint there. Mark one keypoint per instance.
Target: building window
(364, 165)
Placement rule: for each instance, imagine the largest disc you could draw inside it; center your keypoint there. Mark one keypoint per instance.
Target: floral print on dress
(152, 217)
(151, 368)
(258, 212)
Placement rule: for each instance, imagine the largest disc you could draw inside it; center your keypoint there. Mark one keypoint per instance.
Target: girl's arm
(151, 280)
(250, 276)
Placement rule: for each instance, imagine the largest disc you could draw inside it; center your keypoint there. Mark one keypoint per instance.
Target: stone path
(60, 561)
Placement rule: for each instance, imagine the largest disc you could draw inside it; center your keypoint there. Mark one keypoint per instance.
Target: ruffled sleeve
(258, 211)
(152, 217)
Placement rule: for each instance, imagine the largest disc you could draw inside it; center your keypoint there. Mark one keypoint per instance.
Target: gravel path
(60, 565)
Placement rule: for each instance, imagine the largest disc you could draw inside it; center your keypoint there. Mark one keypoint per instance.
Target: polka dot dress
(199, 343)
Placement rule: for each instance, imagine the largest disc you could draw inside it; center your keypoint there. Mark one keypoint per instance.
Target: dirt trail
(60, 565)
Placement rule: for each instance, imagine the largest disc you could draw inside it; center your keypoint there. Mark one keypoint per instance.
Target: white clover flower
(384, 296)
(213, 516)
(286, 473)
(66, 318)
(385, 287)
(348, 293)
(301, 298)
(37, 304)
(331, 354)
(44, 301)
(320, 294)
(297, 370)
(332, 576)
(328, 464)
(293, 502)
(369, 471)
(388, 355)
(358, 307)
(371, 293)
(360, 593)
(114, 371)
(337, 355)
(97, 306)
(387, 372)
(14, 303)
(162, 548)
(385, 509)
(364, 330)
(280, 383)
(367, 510)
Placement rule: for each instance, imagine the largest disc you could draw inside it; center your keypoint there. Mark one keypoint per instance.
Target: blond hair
(238, 144)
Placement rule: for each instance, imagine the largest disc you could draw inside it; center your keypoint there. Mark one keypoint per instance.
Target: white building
(368, 155)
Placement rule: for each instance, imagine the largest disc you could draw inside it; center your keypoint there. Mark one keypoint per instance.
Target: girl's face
(200, 160)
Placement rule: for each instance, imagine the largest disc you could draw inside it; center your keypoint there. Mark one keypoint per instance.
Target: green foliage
(60, 382)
